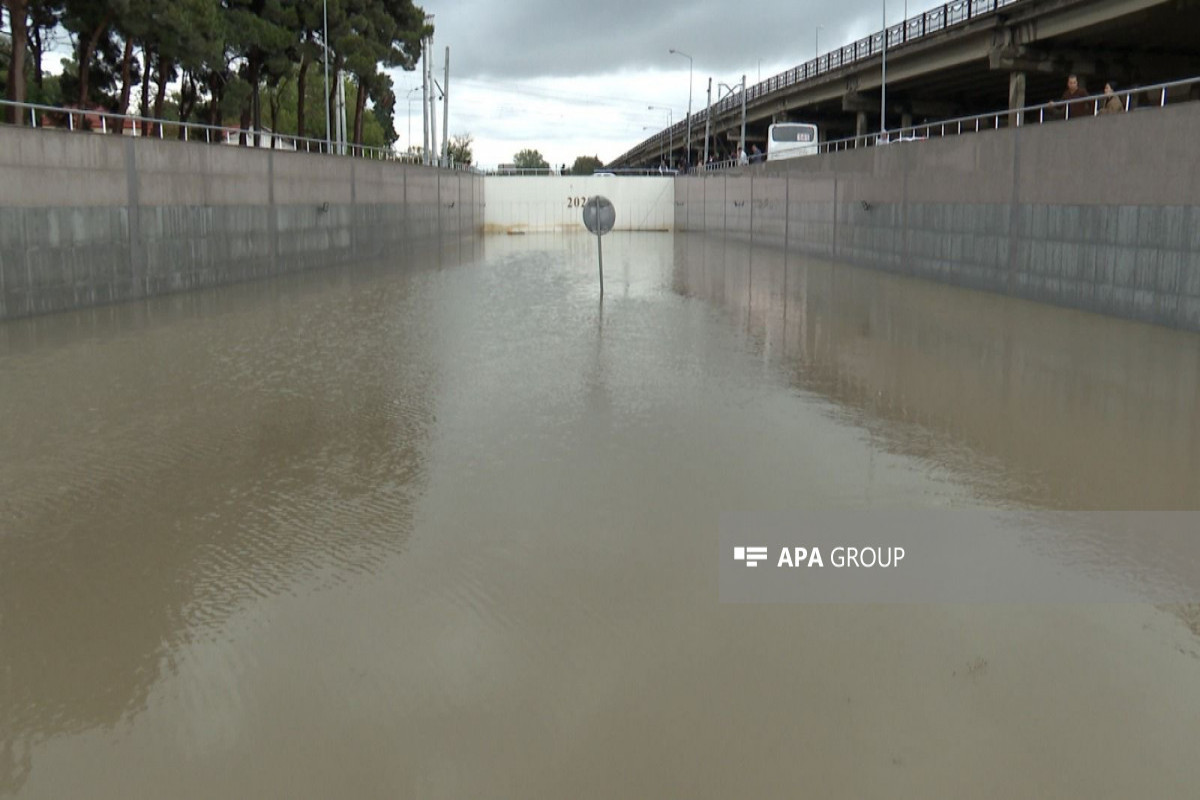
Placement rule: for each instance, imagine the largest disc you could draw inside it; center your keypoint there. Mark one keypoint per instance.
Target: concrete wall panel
(87, 219)
(554, 203)
(1099, 214)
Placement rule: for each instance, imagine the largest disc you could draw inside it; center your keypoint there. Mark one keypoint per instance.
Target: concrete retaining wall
(1101, 214)
(87, 219)
(546, 203)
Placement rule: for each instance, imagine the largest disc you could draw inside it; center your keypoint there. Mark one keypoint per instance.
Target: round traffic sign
(599, 215)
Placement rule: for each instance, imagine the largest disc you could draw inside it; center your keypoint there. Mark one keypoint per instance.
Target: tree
(586, 165)
(530, 159)
(460, 149)
(18, 11)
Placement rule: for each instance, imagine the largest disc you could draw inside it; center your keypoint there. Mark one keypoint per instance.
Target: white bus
(791, 139)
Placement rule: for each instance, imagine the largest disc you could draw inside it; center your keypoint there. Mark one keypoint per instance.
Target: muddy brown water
(450, 532)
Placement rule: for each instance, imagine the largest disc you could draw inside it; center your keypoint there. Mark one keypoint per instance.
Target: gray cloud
(571, 38)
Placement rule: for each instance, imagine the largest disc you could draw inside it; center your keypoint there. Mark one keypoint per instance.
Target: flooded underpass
(453, 532)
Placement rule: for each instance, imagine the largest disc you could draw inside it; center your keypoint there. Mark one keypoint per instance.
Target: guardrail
(95, 120)
(1059, 110)
(935, 20)
(601, 172)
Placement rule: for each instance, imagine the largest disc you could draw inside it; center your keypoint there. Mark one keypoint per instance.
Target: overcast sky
(575, 77)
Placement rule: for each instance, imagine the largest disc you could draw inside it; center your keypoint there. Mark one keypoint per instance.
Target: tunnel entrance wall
(88, 219)
(1100, 214)
(554, 203)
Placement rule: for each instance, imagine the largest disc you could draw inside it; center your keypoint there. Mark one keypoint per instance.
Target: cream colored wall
(545, 203)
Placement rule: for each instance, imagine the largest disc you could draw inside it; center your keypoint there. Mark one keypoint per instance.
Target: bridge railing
(1153, 96)
(926, 24)
(95, 120)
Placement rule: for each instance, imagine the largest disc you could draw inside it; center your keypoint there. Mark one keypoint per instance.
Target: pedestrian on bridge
(1112, 103)
(1075, 107)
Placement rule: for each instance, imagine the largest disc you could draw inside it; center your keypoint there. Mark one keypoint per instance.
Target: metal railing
(1158, 95)
(544, 172)
(930, 22)
(95, 120)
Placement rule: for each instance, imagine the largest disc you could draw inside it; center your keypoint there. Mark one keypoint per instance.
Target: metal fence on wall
(94, 120)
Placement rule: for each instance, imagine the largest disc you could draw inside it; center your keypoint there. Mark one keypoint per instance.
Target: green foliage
(460, 149)
(226, 61)
(529, 159)
(586, 165)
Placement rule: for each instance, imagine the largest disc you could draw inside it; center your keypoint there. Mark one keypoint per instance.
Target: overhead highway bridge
(961, 58)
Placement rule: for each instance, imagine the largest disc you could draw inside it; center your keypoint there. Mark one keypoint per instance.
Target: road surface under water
(451, 532)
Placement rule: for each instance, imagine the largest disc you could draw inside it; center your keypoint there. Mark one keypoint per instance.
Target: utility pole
(883, 78)
(325, 44)
(688, 148)
(742, 141)
(424, 101)
(707, 122)
(446, 112)
(671, 133)
(340, 121)
(409, 99)
(433, 98)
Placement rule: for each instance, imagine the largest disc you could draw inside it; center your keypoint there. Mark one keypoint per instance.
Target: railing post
(70, 121)
(104, 124)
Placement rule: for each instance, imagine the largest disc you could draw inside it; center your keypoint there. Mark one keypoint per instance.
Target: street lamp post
(729, 90)
(707, 122)
(325, 44)
(883, 76)
(670, 132)
(688, 147)
(660, 146)
(410, 94)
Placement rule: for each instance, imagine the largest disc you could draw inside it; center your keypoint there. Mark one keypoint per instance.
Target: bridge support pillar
(860, 126)
(906, 119)
(1016, 97)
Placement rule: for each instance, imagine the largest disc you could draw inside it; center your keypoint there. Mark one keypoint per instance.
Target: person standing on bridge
(1074, 92)
(1112, 103)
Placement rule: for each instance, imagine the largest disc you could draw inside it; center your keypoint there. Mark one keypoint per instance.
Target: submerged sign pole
(599, 216)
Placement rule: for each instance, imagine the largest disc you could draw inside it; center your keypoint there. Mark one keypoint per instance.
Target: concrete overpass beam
(1022, 59)
(1016, 97)
(853, 101)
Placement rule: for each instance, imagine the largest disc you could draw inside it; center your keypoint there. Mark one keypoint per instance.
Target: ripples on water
(367, 531)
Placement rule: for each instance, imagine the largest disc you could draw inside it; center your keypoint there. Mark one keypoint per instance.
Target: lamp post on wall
(883, 76)
(688, 147)
(660, 145)
(670, 132)
(728, 91)
(325, 46)
(410, 94)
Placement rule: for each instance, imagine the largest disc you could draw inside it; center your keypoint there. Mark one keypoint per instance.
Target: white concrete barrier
(546, 203)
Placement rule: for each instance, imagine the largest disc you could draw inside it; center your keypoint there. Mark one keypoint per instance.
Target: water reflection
(1037, 406)
(452, 533)
(168, 463)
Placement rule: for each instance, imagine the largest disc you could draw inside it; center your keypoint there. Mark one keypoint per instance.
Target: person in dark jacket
(1075, 106)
